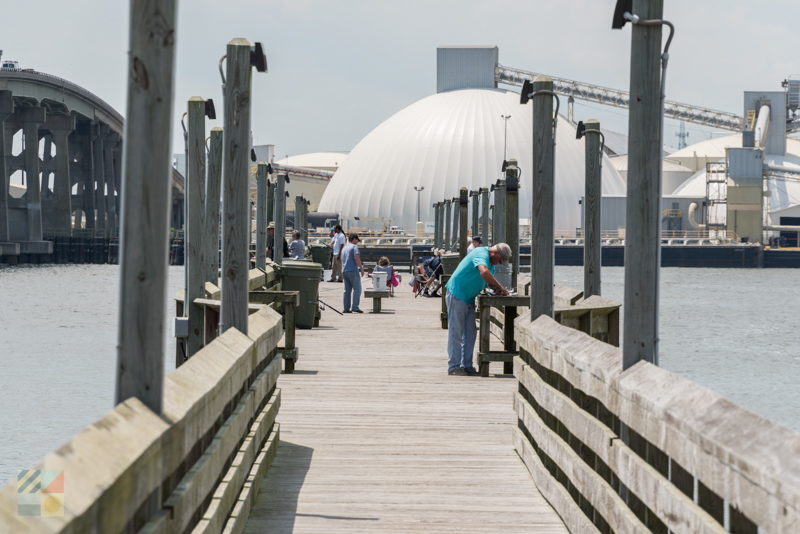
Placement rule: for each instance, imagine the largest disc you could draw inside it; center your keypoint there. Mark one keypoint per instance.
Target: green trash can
(322, 255)
(302, 276)
(450, 262)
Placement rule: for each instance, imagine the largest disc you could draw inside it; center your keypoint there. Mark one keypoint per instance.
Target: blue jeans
(460, 332)
(352, 290)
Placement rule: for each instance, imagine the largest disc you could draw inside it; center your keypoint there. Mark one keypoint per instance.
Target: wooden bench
(376, 297)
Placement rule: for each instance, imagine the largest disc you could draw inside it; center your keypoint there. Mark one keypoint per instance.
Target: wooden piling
(447, 222)
(280, 218)
(236, 212)
(146, 203)
(261, 215)
(591, 209)
(213, 183)
(485, 214)
(436, 228)
(475, 210)
(643, 221)
(500, 210)
(543, 199)
(512, 217)
(456, 213)
(463, 207)
(195, 241)
(270, 200)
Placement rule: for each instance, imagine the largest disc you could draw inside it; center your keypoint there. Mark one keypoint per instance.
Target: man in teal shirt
(474, 273)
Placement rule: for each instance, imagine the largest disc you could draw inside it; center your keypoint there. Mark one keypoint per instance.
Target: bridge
(65, 143)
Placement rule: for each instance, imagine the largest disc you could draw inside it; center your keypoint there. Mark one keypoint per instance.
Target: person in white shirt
(476, 242)
(337, 243)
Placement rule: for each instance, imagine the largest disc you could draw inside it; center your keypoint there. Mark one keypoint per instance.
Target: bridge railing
(195, 468)
(645, 450)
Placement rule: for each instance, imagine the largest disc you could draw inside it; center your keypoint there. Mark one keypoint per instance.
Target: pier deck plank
(376, 437)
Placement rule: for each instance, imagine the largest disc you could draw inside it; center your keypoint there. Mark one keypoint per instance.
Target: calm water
(730, 330)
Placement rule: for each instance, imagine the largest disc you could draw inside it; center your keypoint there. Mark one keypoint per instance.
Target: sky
(339, 68)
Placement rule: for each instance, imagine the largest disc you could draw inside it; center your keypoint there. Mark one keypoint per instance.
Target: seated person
(297, 248)
(428, 273)
(393, 279)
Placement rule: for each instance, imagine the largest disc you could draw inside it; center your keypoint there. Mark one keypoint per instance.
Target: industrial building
(456, 138)
(460, 136)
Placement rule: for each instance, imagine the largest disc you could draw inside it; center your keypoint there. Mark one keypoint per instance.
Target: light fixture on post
(418, 190)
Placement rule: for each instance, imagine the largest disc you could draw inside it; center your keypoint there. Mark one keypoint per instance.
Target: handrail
(134, 470)
(645, 449)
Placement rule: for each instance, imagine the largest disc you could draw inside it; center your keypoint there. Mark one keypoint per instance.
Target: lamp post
(505, 133)
(418, 190)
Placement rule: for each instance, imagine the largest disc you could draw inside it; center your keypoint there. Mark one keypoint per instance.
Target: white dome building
(451, 140)
(321, 161)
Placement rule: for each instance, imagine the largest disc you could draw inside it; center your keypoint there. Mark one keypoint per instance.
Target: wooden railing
(645, 450)
(596, 316)
(195, 468)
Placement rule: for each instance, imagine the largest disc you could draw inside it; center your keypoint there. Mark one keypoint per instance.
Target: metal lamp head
(257, 58)
(619, 20)
(211, 113)
(527, 89)
(581, 130)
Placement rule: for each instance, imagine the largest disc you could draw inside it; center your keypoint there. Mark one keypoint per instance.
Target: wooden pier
(376, 437)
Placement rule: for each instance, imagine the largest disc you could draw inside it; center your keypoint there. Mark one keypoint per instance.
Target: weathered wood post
(261, 215)
(463, 207)
(485, 214)
(236, 213)
(511, 204)
(436, 227)
(146, 203)
(456, 224)
(543, 198)
(476, 195)
(447, 222)
(270, 200)
(643, 224)
(195, 241)
(280, 217)
(213, 183)
(591, 208)
(491, 224)
(306, 204)
(298, 214)
(499, 228)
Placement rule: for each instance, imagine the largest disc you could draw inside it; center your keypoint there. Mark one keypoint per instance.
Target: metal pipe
(762, 126)
(691, 215)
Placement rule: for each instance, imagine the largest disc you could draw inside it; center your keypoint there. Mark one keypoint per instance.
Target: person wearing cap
(476, 242)
(472, 275)
(352, 270)
(271, 242)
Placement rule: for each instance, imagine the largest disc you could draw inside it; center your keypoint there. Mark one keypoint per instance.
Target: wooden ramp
(376, 437)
